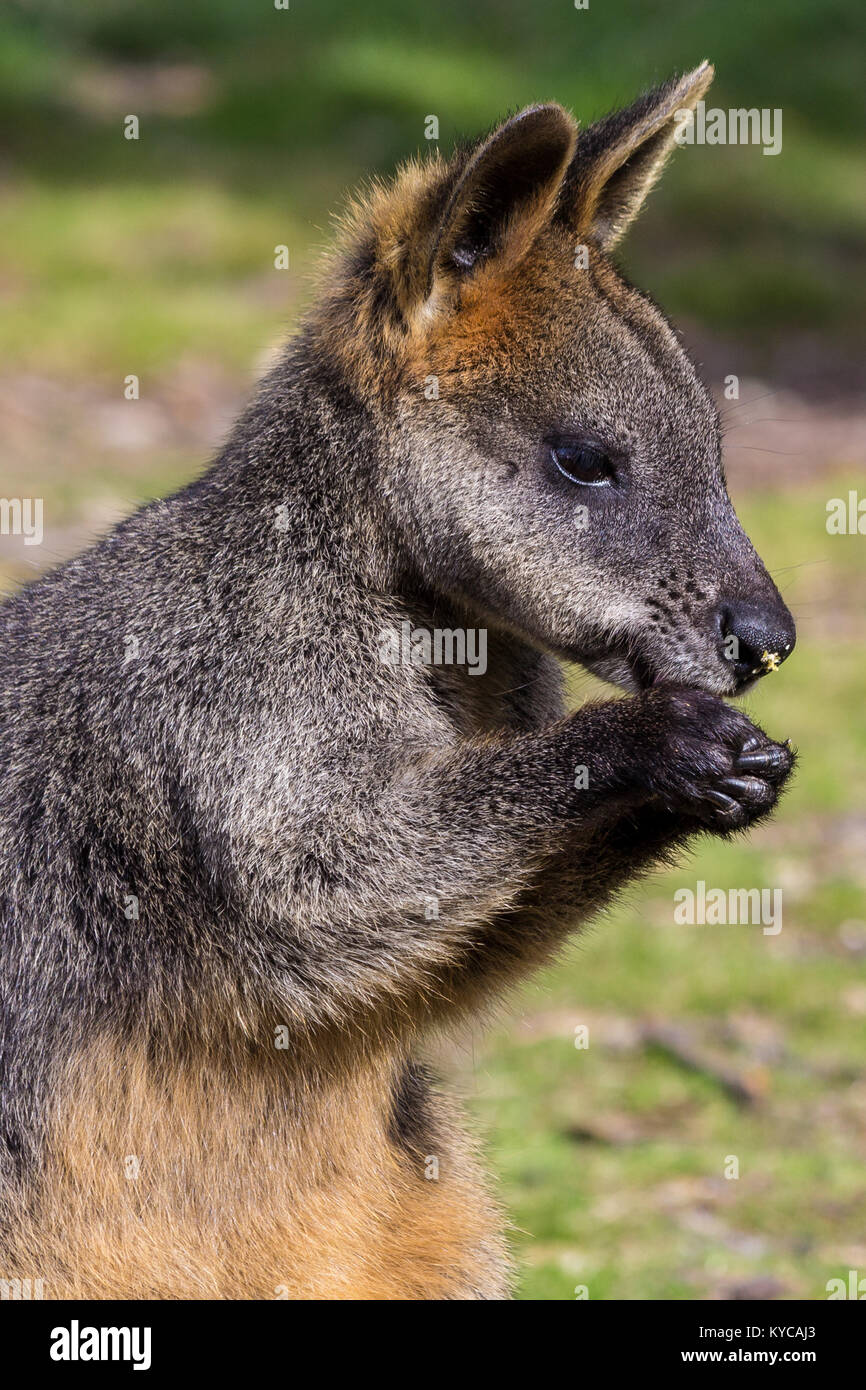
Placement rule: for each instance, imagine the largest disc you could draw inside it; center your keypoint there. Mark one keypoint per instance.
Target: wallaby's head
(549, 453)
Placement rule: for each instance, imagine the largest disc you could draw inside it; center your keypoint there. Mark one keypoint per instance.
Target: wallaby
(251, 858)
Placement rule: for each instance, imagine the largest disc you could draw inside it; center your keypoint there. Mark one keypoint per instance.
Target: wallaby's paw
(714, 765)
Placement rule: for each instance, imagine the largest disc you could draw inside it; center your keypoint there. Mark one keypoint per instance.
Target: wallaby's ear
(505, 194)
(619, 158)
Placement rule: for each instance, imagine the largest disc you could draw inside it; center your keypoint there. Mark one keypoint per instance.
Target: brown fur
(327, 1210)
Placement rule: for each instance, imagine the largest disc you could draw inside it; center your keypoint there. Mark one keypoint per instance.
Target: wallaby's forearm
(400, 883)
(461, 821)
(591, 867)
(425, 874)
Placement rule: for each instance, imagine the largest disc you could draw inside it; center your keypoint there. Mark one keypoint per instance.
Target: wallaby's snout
(718, 622)
(714, 618)
(755, 638)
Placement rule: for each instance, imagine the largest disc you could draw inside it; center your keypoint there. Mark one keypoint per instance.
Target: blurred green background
(156, 257)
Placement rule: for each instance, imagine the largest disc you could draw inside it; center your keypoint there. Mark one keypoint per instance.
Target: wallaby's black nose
(756, 640)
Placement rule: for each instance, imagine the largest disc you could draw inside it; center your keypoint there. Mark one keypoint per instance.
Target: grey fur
(284, 805)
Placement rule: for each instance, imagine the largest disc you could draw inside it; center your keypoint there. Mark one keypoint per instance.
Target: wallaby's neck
(309, 455)
(307, 452)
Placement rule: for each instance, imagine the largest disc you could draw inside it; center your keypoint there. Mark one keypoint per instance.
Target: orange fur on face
(207, 1182)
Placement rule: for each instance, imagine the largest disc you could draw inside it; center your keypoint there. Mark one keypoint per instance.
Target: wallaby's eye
(582, 463)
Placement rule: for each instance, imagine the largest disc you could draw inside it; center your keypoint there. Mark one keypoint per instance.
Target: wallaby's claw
(740, 799)
(747, 788)
(772, 758)
(726, 804)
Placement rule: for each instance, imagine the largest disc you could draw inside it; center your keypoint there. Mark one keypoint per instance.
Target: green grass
(137, 277)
